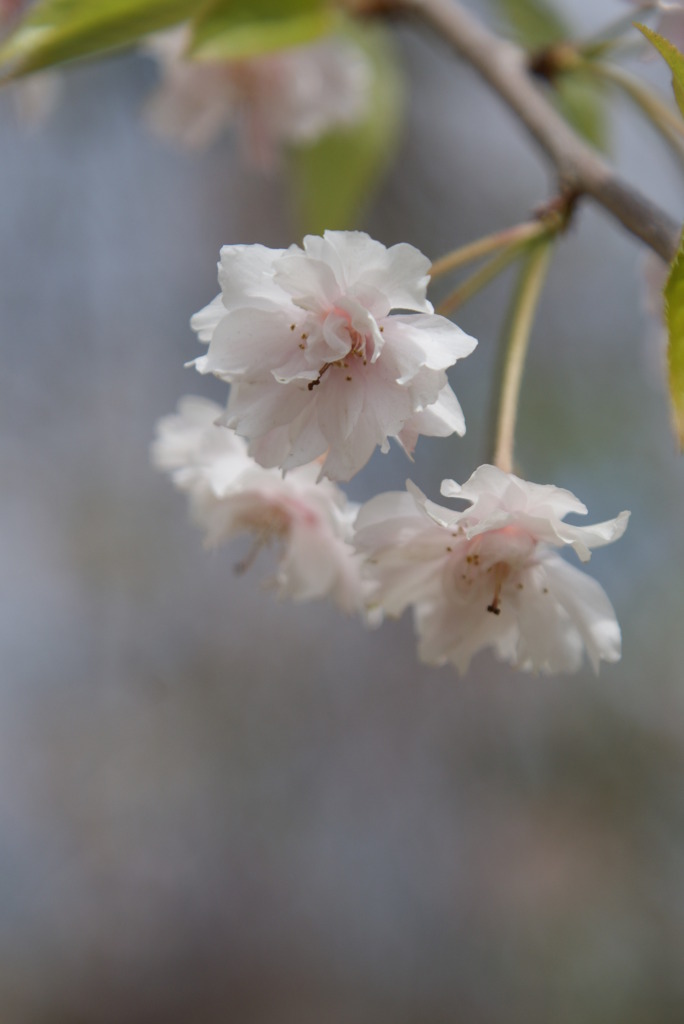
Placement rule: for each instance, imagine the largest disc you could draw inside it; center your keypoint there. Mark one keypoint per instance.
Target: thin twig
(485, 246)
(478, 280)
(503, 65)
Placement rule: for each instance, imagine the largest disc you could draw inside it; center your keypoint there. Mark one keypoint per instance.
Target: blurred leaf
(674, 59)
(581, 102)
(59, 30)
(333, 177)
(232, 29)
(536, 23)
(674, 318)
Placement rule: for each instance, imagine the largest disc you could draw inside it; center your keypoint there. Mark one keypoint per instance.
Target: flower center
(356, 348)
(490, 560)
(272, 520)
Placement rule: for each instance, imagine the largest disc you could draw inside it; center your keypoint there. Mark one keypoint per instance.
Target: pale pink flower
(489, 576)
(318, 361)
(229, 494)
(288, 97)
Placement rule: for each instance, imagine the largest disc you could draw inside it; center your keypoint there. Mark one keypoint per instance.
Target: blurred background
(216, 807)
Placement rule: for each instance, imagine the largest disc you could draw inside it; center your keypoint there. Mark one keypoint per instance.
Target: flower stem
(517, 337)
(473, 284)
(488, 244)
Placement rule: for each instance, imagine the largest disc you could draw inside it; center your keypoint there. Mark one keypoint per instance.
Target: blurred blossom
(488, 576)
(318, 362)
(35, 95)
(670, 21)
(289, 97)
(230, 494)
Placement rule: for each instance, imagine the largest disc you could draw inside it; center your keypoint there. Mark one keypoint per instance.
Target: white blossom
(230, 494)
(489, 576)
(318, 361)
(290, 96)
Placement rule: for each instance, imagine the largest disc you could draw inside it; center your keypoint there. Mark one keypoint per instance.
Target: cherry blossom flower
(489, 576)
(317, 360)
(289, 97)
(230, 494)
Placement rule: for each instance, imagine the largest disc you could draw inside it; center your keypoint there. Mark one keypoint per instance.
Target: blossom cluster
(331, 350)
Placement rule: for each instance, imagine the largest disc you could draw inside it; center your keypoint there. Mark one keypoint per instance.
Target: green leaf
(535, 23)
(673, 57)
(581, 102)
(59, 30)
(231, 29)
(674, 318)
(333, 177)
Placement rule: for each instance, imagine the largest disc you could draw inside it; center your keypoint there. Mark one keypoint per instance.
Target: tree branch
(581, 170)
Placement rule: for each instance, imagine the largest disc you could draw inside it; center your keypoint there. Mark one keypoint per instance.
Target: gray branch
(580, 168)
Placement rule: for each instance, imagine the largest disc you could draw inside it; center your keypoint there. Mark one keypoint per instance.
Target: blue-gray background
(217, 807)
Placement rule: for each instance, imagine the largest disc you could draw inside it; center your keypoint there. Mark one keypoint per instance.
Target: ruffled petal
(205, 321)
(589, 608)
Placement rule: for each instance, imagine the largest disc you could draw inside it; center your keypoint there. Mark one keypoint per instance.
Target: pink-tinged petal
(383, 413)
(548, 641)
(247, 342)
(256, 408)
(382, 509)
(307, 441)
(435, 342)
(401, 273)
(404, 587)
(271, 449)
(486, 481)
(345, 461)
(455, 630)
(364, 323)
(589, 608)
(337, 337)
(515, 494)
(583, 538)
(316, 563)
(206, 320)
(340, 403)
(297, 367)
(441, 419)
(246, 276)
(443, 517)
(310, 283)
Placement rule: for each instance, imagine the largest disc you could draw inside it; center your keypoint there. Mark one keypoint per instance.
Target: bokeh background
(217, 807)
